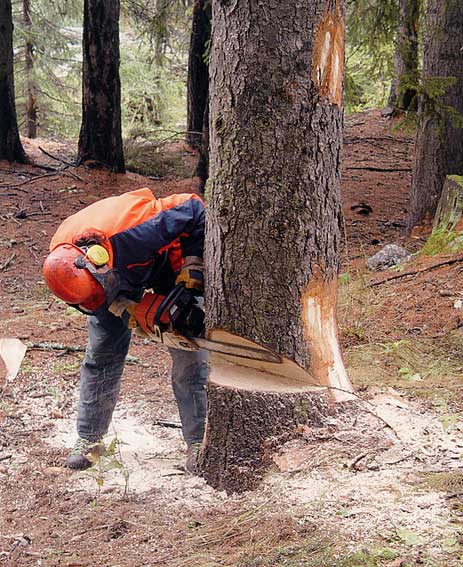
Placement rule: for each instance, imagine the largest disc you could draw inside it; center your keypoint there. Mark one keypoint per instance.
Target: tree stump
(450, 207)
(237, 449)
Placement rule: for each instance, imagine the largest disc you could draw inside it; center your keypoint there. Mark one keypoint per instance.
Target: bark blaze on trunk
(274, 214)
(320, 326)
(10, 144)
(100, 138)
(439, 141)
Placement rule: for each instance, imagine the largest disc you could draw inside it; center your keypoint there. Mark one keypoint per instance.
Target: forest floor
(350, 493)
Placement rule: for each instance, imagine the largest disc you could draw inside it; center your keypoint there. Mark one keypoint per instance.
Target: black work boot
(192, 454)
(78, 458)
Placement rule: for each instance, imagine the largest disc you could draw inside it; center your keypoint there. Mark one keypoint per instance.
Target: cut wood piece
(256, 375)
(12, 352)
(450, 207)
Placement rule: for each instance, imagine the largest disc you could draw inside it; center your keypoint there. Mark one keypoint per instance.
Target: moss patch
(443, 241)
(446, 481)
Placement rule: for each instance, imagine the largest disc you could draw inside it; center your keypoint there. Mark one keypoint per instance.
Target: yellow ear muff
(98, 255)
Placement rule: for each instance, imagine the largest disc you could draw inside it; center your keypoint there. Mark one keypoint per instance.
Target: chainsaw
(177, 321)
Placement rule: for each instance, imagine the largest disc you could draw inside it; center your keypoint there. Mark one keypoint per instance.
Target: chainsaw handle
(169, 300)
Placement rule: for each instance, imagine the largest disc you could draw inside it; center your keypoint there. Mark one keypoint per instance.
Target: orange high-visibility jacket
(141, 234)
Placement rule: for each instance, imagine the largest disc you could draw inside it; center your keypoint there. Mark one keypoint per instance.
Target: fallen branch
(9, 186)
(415, 272)
(54, 346)
(68, 348)
(55, 173)
(351, 465)
(349, 139)
(61, 160)
(7, 262)
(166, 423)
(74, 175)
(371, 168)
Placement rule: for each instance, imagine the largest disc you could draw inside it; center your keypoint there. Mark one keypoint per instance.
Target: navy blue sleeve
(139, 244)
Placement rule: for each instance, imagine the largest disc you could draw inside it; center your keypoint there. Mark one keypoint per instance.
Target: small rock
(387, 112)
(387, 257)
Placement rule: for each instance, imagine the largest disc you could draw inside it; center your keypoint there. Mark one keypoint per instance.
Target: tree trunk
(160, 33)
(31, 91)
(202, 168)
(198, 71)
(274, 218)
(10, 144)
(403, 87)
(100, 137)
(439, 142)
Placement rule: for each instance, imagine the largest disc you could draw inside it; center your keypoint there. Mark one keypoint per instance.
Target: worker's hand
(192, 274)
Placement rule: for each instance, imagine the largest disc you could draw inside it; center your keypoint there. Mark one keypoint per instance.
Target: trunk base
(236, 451)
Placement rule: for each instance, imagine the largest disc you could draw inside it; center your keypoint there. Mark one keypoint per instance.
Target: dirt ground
(379, 487)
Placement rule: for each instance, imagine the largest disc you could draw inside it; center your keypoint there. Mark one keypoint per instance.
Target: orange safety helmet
(74, 285)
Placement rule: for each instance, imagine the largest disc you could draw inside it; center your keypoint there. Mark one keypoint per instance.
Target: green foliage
(371, 25)
(57, 66)
(148, 158)
(451, 481)
(159, 99)
(432, 93)
(408, 537)
(314, 554)
(165, 24)
(109, 461)
(428, 368)
(152, 72)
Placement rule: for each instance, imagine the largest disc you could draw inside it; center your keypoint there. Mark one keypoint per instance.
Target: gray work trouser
(100, 377)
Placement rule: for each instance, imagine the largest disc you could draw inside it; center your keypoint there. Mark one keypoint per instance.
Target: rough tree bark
(31, 91)
(100, 138)
(10, 144)
(274, 216)
(198, 71)
(403, 95)
(439, 142)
